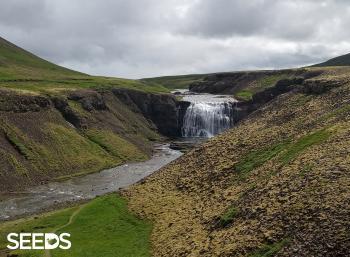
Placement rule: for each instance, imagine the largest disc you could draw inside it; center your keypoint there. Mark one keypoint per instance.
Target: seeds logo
(38, 241)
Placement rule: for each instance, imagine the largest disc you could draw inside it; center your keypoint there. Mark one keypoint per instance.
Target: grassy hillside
(57, 123)
(21, 70)
(275, 185)
(174, 82)
(343, 60)
(17, 63)
(102, 227)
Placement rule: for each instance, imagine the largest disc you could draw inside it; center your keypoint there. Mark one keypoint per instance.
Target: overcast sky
(143, 38)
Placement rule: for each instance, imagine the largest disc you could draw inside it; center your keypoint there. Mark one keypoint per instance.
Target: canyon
(270, 178)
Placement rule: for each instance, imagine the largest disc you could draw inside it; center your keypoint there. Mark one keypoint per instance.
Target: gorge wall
(44, 137)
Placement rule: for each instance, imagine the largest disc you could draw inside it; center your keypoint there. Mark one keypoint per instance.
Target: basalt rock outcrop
(161, 109)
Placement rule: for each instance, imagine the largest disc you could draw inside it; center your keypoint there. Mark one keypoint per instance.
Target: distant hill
(175, 82)
(343, 60)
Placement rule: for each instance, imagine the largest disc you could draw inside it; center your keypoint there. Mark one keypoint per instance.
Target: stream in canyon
(206, 116)
(44, 197)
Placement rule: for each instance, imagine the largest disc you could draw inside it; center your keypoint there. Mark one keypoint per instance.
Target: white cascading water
(207, 116)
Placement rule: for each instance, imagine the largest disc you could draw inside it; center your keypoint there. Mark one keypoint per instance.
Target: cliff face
(277, 184)
(50, 137)
(161, 109)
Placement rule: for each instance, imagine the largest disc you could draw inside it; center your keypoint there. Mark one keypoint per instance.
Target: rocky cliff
(163, 110)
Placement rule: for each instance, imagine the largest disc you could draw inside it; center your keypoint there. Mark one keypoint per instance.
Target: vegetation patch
(258, 158)
(228, 217)
(76, 106)
(303, 143)
(18, 144)
(286, 152)
(270, 250)
(71, 150)
(269, 81)
(244, 95)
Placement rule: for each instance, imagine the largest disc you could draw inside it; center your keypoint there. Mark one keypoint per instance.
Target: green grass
(270, 250)
(257, 158)
(228, 217)
(270, 80)
(175, 82)
(18, 144)
(303, 143)
(72, 151)
(42, 223)
(244, 95)
(63, 150)
(102, 227)
(106, 228)
(285, 152)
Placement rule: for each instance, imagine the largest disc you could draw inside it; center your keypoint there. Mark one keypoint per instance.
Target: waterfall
(206, 119)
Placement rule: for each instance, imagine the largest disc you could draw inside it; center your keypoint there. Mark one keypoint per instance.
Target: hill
(343, 60)
(24, 71)
(277, 184)
(16, 63)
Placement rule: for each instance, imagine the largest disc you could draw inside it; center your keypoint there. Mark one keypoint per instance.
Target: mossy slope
(275, 185)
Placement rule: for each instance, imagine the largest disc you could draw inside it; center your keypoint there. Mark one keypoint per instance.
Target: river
(47, 196)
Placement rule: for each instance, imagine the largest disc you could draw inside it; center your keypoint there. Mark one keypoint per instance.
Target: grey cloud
(288, 19)
(139, 38)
